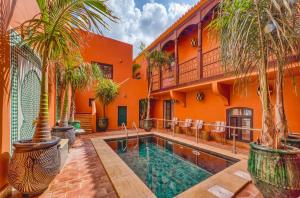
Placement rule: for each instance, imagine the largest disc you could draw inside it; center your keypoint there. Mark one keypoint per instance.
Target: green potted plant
(254, 36)
(106, 92)
(155, 61)
(36, 162)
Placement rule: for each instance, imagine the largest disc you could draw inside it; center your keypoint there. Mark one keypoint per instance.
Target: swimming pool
(167, 167)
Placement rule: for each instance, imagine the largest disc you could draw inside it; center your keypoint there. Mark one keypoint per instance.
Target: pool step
(85, 121)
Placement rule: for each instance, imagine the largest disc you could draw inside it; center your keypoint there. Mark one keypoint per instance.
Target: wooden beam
(223, 91)
(179, 97)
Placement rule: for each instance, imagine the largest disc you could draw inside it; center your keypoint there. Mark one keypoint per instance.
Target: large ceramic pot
(102, 124)
(75, 124)
(65, 133)
(148, 125)
(34, 165)
(276, 173)
(292, 140)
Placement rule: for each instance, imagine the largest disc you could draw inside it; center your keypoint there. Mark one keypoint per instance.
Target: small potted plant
(106, 92)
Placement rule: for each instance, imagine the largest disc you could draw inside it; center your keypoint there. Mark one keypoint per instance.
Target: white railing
(211, 124)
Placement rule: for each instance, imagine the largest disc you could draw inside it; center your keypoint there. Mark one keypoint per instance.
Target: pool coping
(128, 184)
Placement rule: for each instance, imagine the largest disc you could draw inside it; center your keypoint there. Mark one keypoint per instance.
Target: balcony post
(176, 60)
(200, 61)
(160, 72)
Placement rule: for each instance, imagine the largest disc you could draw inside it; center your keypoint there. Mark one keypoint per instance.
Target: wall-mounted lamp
(200, 96)
(194, 42)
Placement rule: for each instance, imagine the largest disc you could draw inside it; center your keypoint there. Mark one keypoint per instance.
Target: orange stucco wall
(105, 50)
(213, 109)
(185, 50)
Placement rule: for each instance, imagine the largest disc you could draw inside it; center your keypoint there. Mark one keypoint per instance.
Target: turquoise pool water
(164, 166)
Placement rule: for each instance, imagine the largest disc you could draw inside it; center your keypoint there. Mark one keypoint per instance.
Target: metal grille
(25, 88)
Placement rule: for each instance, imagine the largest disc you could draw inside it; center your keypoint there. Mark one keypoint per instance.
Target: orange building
(115, 60)
(196, 87)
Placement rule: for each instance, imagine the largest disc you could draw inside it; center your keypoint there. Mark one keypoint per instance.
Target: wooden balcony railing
(212, 63)
(189, 71)
(168, 77)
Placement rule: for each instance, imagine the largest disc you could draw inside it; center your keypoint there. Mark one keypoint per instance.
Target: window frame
(101, 65)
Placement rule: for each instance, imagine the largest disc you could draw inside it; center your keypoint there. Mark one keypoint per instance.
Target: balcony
(189, 72)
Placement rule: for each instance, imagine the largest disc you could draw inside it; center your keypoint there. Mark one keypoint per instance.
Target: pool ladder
(126, 131)
(137, 134)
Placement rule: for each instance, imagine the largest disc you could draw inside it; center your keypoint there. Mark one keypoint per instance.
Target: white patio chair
(219, 130)
(174, 123)
(187, 125)
(197, 126)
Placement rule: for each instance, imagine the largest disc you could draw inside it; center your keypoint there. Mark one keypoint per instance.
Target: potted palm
(35, 162)
(106, 91)
(256, 36)
(155, 61)
(67, 67)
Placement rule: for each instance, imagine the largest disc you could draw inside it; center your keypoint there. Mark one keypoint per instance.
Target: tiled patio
(83, 175)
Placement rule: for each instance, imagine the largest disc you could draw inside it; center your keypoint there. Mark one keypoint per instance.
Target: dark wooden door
(122, 115)
(167, 113)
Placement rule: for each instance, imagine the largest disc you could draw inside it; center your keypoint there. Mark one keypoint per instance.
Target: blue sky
(140, 3)
(144, 20)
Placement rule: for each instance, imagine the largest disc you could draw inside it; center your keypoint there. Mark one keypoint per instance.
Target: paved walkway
(83, 175)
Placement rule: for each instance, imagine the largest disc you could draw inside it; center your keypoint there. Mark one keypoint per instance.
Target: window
(240, 117)
(107, 69)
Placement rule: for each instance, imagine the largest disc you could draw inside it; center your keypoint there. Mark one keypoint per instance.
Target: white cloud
(142, 25)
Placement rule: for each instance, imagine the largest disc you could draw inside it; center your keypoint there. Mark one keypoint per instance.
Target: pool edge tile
(127, 183)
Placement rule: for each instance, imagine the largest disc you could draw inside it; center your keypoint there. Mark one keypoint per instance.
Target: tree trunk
(104, 116)
(267, 135)
(73, 108)
(64, 117)
(148, 98)
(280, 118)
(42, 132)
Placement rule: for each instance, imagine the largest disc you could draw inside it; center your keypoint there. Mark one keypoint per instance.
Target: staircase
(85, 121)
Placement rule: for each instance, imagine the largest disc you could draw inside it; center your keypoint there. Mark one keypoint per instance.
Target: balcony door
(168, 113)
(240, 117)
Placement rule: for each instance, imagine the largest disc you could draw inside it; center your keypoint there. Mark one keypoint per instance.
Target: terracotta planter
(102, 124)
(75, 124)
(65, 133)
(148, 125)
(34, 165)
(276, 173)
(292, 140)
(205, 135)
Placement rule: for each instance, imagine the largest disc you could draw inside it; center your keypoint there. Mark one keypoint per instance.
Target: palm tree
(50, 33)
(251, 31)
(155, 61)
(135, 69)
(83, 76)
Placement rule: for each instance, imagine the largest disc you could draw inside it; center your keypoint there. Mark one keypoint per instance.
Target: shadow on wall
(6, 12)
